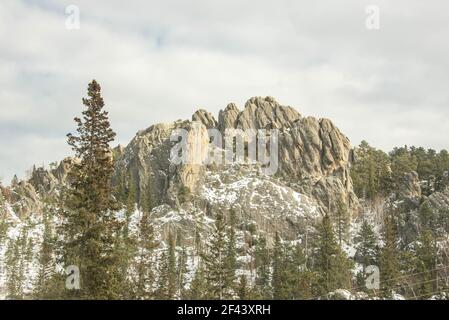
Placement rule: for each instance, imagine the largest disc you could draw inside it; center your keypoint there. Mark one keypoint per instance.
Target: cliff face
(312, 175)
(314, 156)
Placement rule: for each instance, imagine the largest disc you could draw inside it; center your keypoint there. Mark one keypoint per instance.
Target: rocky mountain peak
(205, 118)
(227, 118)
(259, 113)
(314, 160)
(410, 187)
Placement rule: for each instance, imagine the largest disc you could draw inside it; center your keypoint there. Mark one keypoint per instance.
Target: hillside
(283, 213)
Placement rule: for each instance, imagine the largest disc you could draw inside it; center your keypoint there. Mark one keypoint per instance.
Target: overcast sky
(159, 61)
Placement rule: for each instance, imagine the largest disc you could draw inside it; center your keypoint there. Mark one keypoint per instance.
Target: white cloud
(160, 60)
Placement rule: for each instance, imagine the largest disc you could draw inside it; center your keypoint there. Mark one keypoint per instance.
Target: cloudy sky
(161, 60)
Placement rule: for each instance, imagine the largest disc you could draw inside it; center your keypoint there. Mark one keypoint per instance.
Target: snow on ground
(32, 229)
(254, 192)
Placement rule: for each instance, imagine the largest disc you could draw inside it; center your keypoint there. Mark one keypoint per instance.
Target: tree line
(377, 174)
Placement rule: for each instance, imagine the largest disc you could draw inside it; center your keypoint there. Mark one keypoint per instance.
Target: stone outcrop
(27, 196)
(314, 161)
(266, 113)
(206, 118)
(259, 113)
(24, 200)
(410, 187)
(147, 159)
(314, 155)
(439, 200)
(227, 118)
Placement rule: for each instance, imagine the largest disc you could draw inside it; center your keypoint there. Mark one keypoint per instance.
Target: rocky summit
(314, 160)
(313, 171)
(313, 178)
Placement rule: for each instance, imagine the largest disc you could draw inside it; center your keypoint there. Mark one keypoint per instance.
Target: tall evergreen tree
(388, 260)
(279, 279)
(429, 218)
(402, 161)
(243, 288)
(216, 261)
(90, 225)
(46, 286)
(367, 250)
(331, 263)
(426, 264)
(128, 241)
(341, 220)
(263, 270)
(145, 254)
(14, 272)
(181, 267)
(301, 279)
(167, 272)
(4, 225)
(371, 172)
(231, 254)
(198, 286)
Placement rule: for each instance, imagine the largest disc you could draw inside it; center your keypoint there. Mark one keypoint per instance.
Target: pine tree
(198, 286)
(172, 274)
(167, 272)
(14, 181)
(331, 263)
(262, 261)
(402, 162)
(342, 220)
(367, 249)
(146, 246)
(243, 288)
(14, 274)
(46, 286)
(426, 264)
(301, 279)
(388, 260)
(181, 271)
(443, 219)
(428, 217)
(163, 277)
(90, 226)
(278, 281)
(181, 268)
(371, 172)
(128, 241)
(126, 251)
(231, 255)
(291, 277)
(217, 273)
(4, 225)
